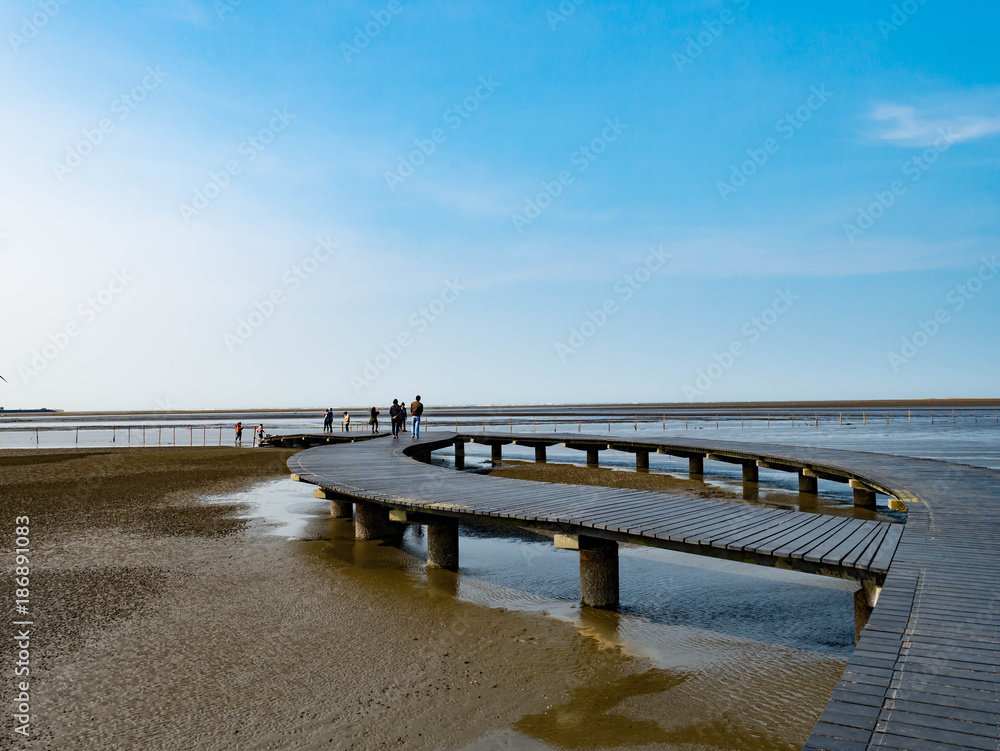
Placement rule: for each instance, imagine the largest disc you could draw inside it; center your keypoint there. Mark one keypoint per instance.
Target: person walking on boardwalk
(328, 421)
(416, 410)
(394, 412)
(402, 415)
(239, 434)
(373, 420)
(346, 424)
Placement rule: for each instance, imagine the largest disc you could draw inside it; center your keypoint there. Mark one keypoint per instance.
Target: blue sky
(229, 204)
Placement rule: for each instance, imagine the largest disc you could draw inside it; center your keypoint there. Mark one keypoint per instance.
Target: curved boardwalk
(926, 671)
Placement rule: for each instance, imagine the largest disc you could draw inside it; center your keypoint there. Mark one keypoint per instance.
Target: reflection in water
(587, 720)
(712, 654)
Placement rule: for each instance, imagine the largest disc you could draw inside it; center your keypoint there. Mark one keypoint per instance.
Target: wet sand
(165, 620)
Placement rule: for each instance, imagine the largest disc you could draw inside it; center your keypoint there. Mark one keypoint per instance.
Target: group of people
(259, 430)
(397, 417)
(328, 421)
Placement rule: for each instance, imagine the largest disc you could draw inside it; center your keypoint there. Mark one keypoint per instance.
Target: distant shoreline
(624, 408)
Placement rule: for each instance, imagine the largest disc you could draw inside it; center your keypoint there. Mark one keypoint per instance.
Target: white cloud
(964, 117)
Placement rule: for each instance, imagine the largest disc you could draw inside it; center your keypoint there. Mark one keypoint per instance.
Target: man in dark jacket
(394, 412)
(416, 410)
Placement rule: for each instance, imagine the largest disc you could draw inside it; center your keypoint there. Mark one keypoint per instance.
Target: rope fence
(218, 434)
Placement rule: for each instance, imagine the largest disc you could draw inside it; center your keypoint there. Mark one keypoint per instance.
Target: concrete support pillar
(865, 599)
(598, 573)
(808, 484)
(459, 454)
(696, 465)
(424, 456)
(592, 457)
(341, 509)
(540, 454)
(750, 472)
(496, 452)
(371, 521)
(642, 460)
(864, 498)
(442, 544)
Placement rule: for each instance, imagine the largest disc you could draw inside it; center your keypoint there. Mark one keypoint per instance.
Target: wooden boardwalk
(310, 440)
(926, 671)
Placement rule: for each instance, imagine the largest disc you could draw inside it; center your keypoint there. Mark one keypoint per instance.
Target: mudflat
(165, 621)
(166, 615)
